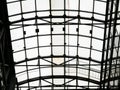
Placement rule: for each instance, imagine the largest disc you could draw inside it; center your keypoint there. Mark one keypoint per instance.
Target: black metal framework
(65, 44)
(7, 72)
(110, 62)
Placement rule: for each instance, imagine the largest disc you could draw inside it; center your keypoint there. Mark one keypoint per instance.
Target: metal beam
(59, 77)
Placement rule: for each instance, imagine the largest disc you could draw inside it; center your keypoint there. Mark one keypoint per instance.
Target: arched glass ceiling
(57, 44)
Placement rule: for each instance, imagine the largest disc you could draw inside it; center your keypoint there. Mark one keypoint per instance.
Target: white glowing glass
(44, 38)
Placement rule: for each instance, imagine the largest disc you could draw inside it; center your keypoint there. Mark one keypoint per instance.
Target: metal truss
(95, 73)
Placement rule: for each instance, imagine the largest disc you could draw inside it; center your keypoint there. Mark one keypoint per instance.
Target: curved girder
(42, 57)
(57, 34)
(72, 86)
(47, 17)
(59, 77)
(49, 66)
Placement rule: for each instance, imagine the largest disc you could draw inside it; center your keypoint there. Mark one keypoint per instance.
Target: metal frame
(106, 61)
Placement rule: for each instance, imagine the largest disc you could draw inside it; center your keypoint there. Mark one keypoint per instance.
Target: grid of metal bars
(71, 61)
(111, 50)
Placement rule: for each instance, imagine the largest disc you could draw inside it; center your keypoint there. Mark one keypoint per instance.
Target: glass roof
(55, 42)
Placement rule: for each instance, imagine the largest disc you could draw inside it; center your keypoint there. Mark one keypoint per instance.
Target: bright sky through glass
(30, 44)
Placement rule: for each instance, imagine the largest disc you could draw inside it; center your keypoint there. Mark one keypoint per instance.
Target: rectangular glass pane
(31, 42)
(26, 4)
(86, 5)
(42, 4)
(58, 50)
(46, 72)
(44, 40)
(58, 70)
(46, 51)
(30, 53)
(58, 40)
(22, 76)
(100, 7)
(16, 33)
(13, 8)
(18, 45)
(20, 69)
(96, 55)
(19, 56)
(57, 4)
(84, 52)
(84, 41)
(34, 73)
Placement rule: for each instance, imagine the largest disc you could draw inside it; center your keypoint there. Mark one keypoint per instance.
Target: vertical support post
(102, 61)
(113, 41)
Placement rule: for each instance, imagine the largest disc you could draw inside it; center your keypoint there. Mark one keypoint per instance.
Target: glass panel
(58, 50)
(45, 61)
(72, 51)
(99, 17)
(30, 53)
(58, 60)
(33, 62)
(44, 30)
(73, 40)
(42, 4)
(19, 56)
(28, 15)
(97, 32)
(45, 83)
(20, 69)
(31, 42)
(46, 51)
(71, 29)
(71, 71)
(100, 7)
(70, 4)
(85, 42)
(84, 30)
(57, 4)
(82, 83)
(13, 8)
(34, 73)
(58, 71)
(58, 40)
(97, 44)
(26, 4)
(83, 72)
(88, 3)
(59, 82)
(18, 45)
(56, 28)
(46, 72)
(40, 14)
(96, 66)
(84, 52)
(84, 14)
(94, 75)
(15, 18)
(96, 55)
(16, 33)
(71, 61)
(22, 76)
(34, 83)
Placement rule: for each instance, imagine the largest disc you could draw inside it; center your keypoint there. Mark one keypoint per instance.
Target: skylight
(55, 42)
